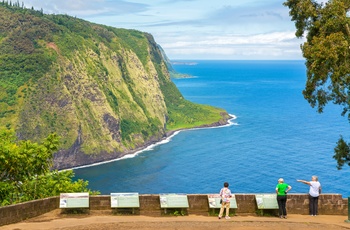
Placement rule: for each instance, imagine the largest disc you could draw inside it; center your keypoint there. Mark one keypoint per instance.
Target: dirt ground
(56, 220)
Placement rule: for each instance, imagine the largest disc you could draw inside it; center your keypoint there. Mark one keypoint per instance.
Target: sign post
(214, 201)
(125, 201)
(173, 200)
(266, 201)
(348, 220)
(74, 200)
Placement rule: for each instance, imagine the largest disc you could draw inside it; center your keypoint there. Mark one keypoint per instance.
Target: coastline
(169, 135)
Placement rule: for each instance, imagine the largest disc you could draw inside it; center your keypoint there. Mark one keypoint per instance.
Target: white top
(225, 194)
(314, 188)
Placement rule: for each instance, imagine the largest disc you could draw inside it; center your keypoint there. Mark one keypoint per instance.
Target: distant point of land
(183, 63)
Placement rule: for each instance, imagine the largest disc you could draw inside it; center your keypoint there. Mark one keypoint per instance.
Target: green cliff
(106, 91)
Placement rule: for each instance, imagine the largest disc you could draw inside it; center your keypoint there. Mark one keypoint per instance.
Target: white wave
(152, 146)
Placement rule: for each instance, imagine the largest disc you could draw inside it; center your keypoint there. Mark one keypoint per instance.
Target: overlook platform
(46, 214)
(54, 220)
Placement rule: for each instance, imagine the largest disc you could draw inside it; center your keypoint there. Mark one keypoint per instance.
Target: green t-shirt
(281, 188)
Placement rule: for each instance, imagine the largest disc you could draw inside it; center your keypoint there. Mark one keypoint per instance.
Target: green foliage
(25, 170)
(60, 74)
(326, 50)
(147, 129)
(182, 113)
(176, 212)
(112, 100)
(22, 58)
(129, 127)
(342, 153)
(179, 213)
(189, 115)
(327, 55)
(24, 159)
(16, 6)
(52, 184)
(135, 40)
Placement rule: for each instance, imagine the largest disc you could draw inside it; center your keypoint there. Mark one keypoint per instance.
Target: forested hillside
(104, 91)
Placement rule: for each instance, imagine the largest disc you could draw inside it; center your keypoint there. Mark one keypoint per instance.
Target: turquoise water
(275, 134)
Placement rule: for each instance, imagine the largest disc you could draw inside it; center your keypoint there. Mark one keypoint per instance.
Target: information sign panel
(74, 200)
(266, 201)
(125, 200)
(173, 200)
(214, 201)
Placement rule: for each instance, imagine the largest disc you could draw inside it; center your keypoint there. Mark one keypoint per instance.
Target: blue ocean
(275, 133)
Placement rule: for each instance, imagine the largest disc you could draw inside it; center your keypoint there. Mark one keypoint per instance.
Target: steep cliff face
(105, 91)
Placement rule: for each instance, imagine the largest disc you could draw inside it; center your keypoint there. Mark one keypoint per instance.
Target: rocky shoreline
(74, 158)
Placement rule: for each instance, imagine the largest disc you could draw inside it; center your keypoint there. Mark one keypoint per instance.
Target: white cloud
(277, 45)
(261, 39)
(83, 8)
(205, 29)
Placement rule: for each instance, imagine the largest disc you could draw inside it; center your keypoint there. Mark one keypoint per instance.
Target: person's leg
(284, 210)
(316, 206)
(311, 205)
(279, 202)
(221, 210)
(227, 210)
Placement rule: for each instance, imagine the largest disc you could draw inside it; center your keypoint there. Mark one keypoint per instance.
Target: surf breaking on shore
(161, 142)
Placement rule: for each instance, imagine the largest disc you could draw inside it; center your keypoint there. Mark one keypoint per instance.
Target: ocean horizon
(274, 133)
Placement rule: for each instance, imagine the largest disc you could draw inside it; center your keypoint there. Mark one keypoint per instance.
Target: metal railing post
(348, 220)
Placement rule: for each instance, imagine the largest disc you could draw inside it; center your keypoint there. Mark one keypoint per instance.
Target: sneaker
(285, 217)
(227, 217)
(281, 217)
(219, 217)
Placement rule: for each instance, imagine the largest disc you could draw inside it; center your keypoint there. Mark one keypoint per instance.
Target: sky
(195, 29)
